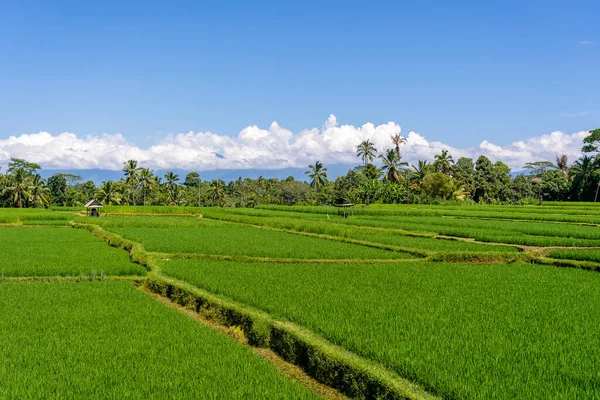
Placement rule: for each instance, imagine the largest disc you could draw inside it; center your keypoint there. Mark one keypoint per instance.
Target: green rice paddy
(483, 327)
(102, 340)
(465, 331)
(51, 251)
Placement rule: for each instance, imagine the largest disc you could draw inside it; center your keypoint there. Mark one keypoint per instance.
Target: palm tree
(561, 164)
(171, 179)
(171, 183)
(397, 140)
(39, 191)
(421, 169)
(147, 181)
(318, 175)
(131, 171)
(584, 172)
(443, 162)
(19, 188)
(108, 193)
(392, 166)
(217, 191)
(366, 150)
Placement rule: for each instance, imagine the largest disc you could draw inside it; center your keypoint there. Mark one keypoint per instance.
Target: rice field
(238, 240)
(463, 331)
(102, 340)
(461, 302)
(52, 251)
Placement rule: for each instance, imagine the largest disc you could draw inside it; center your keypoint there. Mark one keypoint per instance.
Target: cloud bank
(272, 148)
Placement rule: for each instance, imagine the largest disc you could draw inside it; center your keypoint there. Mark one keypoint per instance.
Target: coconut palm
(561, 164)
(39, 191)
(147, 181)
(366, 151)
(585, 173)
(443, 162)
(421, 169)
(392, 166)
(19, 187)
(131, 172)
(171, 183)
(318, 175)
(398, 140)
(171, 178)
(217, 191)
(108, 193)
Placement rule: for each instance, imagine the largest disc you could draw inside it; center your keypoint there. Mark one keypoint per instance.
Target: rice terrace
(395, 301)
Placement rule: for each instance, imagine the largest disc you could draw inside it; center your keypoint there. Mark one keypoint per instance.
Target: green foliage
(591, 141)
(464, 173)
(192, 180)
(27, 167)
(438, 184)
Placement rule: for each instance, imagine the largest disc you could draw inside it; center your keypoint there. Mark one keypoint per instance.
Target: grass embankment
(108, 340)
(463, 331)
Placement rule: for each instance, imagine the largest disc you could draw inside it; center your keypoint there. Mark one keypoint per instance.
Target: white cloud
(271, 148)
(586, 42)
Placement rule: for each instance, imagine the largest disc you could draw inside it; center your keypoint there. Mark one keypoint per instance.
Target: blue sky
(456, 72)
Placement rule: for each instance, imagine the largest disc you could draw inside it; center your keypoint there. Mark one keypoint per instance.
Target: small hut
(92, 208)
(345, 209)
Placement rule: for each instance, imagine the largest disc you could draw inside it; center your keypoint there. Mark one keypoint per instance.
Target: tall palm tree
(318, 175)
(131, 172)
(443, 162)
(397, 140)
(147, 181)
(171, 182)
(561, 164)
(19, 187)
(366, 150)
(39, 191)
(392, 165)
(171, 178)
(584, 172)
(108, 193)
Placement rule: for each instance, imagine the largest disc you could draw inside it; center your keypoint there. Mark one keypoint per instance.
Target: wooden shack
(92, 208)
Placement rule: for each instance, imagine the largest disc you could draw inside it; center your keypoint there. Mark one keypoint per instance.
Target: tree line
(393, 181)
